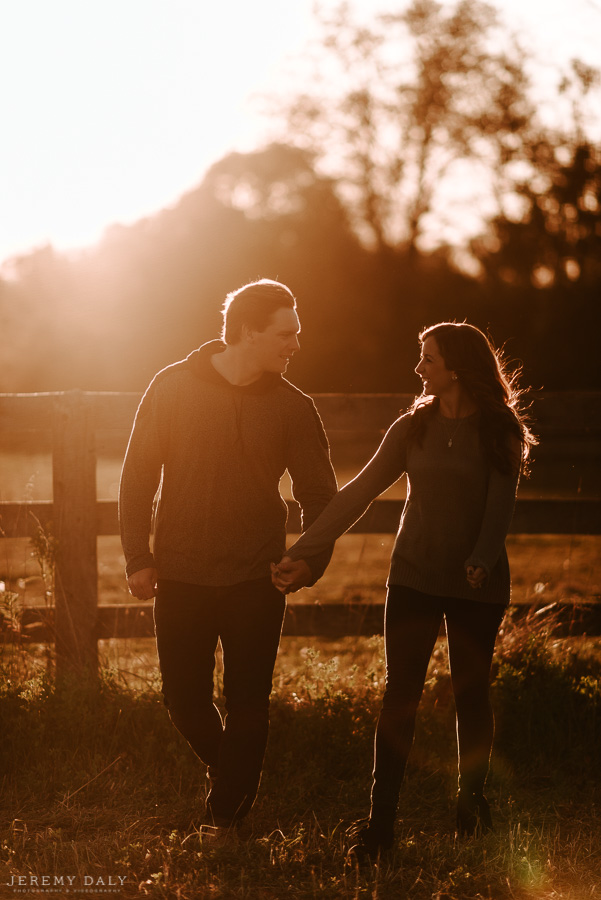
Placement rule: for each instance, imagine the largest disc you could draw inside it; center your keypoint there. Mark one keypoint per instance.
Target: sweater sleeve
(312, 475)
(386, 466)
(498, 512)
(140, 479)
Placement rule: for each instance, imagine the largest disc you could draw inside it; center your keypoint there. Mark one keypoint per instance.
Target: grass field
(98, 787)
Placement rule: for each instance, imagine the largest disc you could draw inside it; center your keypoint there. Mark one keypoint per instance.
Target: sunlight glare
(116, 109)
(113, 110)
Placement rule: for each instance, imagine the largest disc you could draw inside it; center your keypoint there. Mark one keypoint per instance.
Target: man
(212, 437)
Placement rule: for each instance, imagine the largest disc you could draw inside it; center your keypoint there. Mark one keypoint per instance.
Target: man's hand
(290, 575)
(476, 576)
(143, 584)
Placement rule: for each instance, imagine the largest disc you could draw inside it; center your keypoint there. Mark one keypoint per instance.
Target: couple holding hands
(213, 435)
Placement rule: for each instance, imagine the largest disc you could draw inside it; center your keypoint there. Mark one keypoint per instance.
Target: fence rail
(78, 425)
(531, 516)
(329, 620)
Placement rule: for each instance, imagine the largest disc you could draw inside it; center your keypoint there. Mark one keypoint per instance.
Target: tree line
(350, 207)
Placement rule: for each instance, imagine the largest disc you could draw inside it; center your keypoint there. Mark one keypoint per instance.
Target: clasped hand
(476, 576)
(290, 575)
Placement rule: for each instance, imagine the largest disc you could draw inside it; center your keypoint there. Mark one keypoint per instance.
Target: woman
(462, 444)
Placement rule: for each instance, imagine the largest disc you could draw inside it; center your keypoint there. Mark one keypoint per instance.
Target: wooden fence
(79, 425)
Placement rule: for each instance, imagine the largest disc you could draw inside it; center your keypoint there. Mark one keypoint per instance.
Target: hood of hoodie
(199, 362)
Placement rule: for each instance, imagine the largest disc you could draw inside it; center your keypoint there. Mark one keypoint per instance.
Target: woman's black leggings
(412, 624)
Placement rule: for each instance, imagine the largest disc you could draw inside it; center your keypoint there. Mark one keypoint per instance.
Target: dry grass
(98, 785)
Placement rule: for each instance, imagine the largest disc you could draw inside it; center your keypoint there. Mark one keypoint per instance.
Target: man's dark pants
(247, 619)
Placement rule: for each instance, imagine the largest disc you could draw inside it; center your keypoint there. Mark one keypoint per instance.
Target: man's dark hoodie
(216, 453)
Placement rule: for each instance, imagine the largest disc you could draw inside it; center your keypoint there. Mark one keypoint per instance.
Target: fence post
(74, 525)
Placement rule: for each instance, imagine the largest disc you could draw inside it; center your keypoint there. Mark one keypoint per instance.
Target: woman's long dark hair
(483, 373)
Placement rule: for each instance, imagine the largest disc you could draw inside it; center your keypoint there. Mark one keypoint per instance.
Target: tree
(410, 96)
(108, 318)
(548, 229)
(298, 231)
(543, 264)
(541, 254)
(554, 239)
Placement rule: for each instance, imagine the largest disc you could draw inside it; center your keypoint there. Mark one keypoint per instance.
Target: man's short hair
(253, 305)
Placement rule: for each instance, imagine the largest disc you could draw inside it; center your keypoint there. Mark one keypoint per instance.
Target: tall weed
(547, 698)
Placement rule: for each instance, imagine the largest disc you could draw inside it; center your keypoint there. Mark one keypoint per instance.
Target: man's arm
(140, 479)
(313, 485)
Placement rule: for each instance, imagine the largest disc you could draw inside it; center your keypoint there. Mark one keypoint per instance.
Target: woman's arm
(385, 467)
(498, 512)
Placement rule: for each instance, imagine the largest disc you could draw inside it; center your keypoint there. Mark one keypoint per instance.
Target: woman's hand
(290, 575)
(476, 576)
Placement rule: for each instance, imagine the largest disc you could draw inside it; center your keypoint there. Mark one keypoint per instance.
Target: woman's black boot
(370, 839)
(473, 814)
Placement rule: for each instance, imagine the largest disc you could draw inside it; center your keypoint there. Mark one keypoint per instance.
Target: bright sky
(111, 109)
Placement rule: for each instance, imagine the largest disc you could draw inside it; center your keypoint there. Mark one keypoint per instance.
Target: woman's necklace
(453, 432)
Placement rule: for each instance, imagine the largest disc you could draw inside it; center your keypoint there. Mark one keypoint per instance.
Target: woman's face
(432, 370)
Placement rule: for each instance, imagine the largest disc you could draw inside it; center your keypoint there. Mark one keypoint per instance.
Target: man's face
(273, 348)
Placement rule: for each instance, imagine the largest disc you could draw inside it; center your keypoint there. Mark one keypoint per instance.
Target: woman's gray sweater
(457, 512)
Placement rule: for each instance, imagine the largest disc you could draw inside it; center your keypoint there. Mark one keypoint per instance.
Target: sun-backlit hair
(483, 372)
(252, 306)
